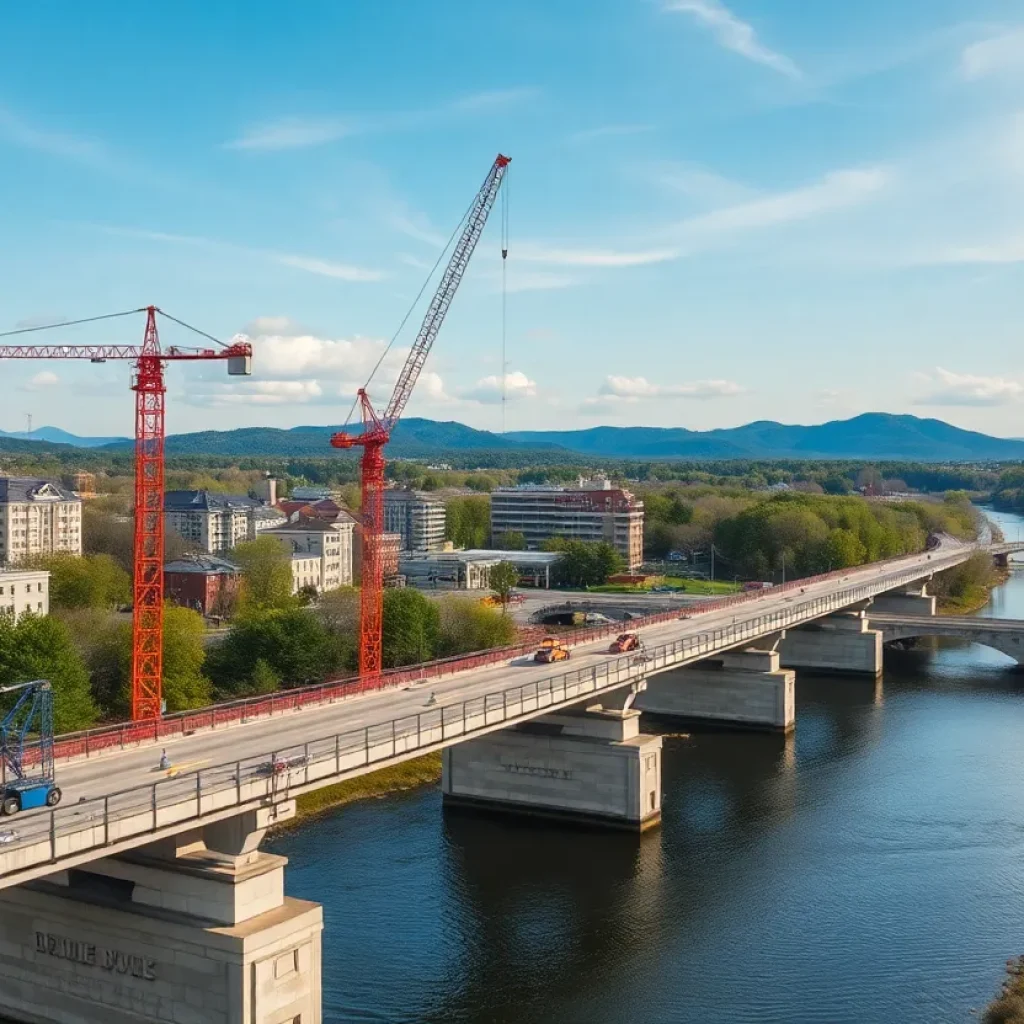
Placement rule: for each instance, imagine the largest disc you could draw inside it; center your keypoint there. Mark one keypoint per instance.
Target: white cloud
(591, 257)
(490, 99)
(291, 133)
(297, 356)
(1010, 250)
(996, 55)
(42, 380)
(414, 225)
(835, 191)
(966, 389)
(488, 390)
(297, 261)
(258, 392)
(634, 388)
(734, 34)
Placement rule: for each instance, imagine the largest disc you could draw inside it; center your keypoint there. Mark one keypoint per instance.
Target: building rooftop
(311, 525)
(538, 558)
(207, 565)
(207, 501)
(21, 488)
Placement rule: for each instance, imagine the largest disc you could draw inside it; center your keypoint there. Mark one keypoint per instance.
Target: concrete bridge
(145, 896)
(1006, 635)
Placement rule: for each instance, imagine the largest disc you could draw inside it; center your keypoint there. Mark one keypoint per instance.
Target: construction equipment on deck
(377, 430)
(26, 749)
(148, 385)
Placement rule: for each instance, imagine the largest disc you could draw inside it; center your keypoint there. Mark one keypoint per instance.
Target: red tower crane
(148, 385)
(377, 430)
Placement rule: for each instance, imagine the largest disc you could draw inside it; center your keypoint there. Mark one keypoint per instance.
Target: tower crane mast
(377, 430)
(148, 384)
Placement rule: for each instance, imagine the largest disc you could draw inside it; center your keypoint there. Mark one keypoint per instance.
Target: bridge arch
(1012, 646)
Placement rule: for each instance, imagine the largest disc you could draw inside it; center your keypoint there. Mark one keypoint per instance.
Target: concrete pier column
(588, 765)
(191, 930)
(912, 600)
(743, 689)
(842, 644)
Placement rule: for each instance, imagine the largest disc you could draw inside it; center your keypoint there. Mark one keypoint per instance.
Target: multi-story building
(37, 517)
(329, 543)
(24, 591)
(595, 511)
(215, 523)
(418, 518)
(306, 572)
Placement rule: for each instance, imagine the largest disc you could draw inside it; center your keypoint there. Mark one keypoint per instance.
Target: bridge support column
(841, 644)
(912, 600)
(588, 765)
(743, 689)
(190, 930)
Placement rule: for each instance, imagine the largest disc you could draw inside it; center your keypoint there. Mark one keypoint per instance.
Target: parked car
(624, 642)
(551, 652)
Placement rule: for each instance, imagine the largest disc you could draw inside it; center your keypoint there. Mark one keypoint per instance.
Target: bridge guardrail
(132, 815)
(129, 735)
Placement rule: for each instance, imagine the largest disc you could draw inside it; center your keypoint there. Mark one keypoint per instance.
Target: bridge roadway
(123, 800)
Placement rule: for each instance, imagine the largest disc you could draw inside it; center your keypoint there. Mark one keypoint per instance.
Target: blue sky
(720, 210)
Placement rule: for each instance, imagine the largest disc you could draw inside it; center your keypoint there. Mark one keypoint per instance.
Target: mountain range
(869, 436)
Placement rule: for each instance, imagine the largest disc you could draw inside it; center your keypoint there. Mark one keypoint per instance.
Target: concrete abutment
(191, 930)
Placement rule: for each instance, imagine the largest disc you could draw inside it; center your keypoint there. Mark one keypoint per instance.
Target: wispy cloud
(609, 131)
(699, 184)
(734, 34)
(999, 54)
(591, 257)
(835, 191)
(414, 225)
(292, 133)
(948, 388)
(41, 381)
(298, 132)
(297, 261)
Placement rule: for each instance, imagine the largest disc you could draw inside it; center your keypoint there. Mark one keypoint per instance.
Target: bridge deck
(127, 802)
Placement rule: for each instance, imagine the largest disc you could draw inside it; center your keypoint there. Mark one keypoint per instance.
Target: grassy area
(1009, 1007)
(974, 597)
(676, 583)
(408, 775)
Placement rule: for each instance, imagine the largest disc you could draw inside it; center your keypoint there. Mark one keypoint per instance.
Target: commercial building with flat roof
(595, 511)
(470, 569)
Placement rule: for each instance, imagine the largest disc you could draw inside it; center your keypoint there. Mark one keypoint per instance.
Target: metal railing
(129, 735)
(133, 816)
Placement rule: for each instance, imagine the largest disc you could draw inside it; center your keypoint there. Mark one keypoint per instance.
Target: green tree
(844, 549)
(511, 541)
(411, 628)
(262, 680)
(184, 685)
(468, 521)
(467, 625)
(266, 575)
(92, 581)
(42, 648)
(586, 564)
(503, 579)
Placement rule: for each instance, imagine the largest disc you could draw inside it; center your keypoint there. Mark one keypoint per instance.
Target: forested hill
(873, 436)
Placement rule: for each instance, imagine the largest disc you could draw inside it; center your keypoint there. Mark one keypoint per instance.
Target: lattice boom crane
(148, 385)
(377, 430)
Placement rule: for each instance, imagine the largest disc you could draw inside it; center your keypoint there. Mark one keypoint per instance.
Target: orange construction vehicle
(551, 650)
(624, 642)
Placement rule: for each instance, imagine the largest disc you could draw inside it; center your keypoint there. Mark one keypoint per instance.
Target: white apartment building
(24, 591)
(596, 511)
(306, 572)
(330, 544)
(215, 523)
(418, 518)
(37, 517)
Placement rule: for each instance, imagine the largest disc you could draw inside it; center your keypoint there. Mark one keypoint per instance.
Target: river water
(867, 870)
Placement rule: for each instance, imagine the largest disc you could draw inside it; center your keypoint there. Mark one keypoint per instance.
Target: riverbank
(1009, 1007)
(975, 597)
(421, 771)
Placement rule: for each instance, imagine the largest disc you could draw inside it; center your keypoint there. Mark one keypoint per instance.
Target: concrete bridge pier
(590, 765)
(743, 689)
(911, 600)
(842, 644)
(194, 929)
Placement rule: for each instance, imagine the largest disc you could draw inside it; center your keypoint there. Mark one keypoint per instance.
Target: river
(867, 870)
